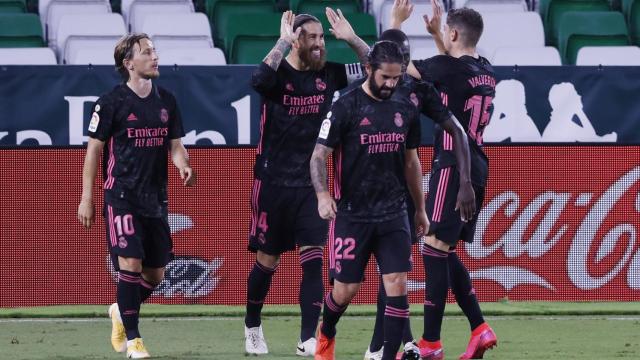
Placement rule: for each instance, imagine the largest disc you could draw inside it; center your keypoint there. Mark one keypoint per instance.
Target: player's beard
(152, 74)
(313, 62)
(381, 92)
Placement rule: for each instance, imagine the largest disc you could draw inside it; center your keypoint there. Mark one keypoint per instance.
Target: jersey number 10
(124, 224)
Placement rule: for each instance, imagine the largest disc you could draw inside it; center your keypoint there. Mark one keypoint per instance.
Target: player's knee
(130, 264)
(153, 276)
(437, 244)
(395, 284)
(343, 293)
(267, 260)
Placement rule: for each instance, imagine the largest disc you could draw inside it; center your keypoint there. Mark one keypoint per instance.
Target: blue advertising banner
(49, 105)
(566, 104)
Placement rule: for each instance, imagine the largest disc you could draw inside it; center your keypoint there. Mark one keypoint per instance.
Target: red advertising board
(559, 223)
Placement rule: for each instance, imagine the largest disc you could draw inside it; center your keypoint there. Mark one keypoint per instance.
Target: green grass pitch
(526, 331)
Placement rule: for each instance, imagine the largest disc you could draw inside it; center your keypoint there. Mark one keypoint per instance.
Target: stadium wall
(559, 223)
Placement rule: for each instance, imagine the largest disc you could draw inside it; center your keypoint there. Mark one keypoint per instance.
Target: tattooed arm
(342, 30)
(275, 56)
(318, 167)
(361, 49)
(287, 37)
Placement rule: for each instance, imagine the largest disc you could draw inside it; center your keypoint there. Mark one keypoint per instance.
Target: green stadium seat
(318, 6)
(579, 29)
(631, 10)
(252, 50)
(340, 52)
(12, 6)
(363, 24)
(116, 6)
(551, 12)
(250, 37)
(20, 30)
(221, 12)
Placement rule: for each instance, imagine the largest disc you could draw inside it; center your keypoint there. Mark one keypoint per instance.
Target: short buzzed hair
(469, 24)
(124, 51)
(399, 38)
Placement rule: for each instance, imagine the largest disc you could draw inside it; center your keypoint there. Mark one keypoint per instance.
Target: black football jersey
(370, 138)
(293, 103)
(424, 96)
(137, 132)
(467, 87)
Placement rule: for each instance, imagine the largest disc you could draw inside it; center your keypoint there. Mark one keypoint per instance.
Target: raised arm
(400, 12)
(318, 167)
(434, 25)
(466, 198)
(287, 37)
(86, 209)
(342, 30)
(413, 175)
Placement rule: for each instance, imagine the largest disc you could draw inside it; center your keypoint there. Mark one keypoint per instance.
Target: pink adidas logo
(365, 122)
(132, 117)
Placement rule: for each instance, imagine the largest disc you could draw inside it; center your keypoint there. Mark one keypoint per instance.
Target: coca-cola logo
(540, 226)
(513, 244)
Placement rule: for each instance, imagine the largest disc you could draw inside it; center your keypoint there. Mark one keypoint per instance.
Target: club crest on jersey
(289, 87)
(398, 120)
(164, 115)
(414, 99)
(320, 85)
(365, 122)
(122, 242)
(95, 120)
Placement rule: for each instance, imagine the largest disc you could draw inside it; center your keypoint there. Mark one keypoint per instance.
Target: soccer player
(466, 82)
(140, 122)
(296, 91)
(425, 98)
(375, 138)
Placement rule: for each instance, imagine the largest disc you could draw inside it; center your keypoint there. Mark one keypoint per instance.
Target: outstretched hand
(286, 27)
(434, 24)
(400, 12)
(340, 26)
